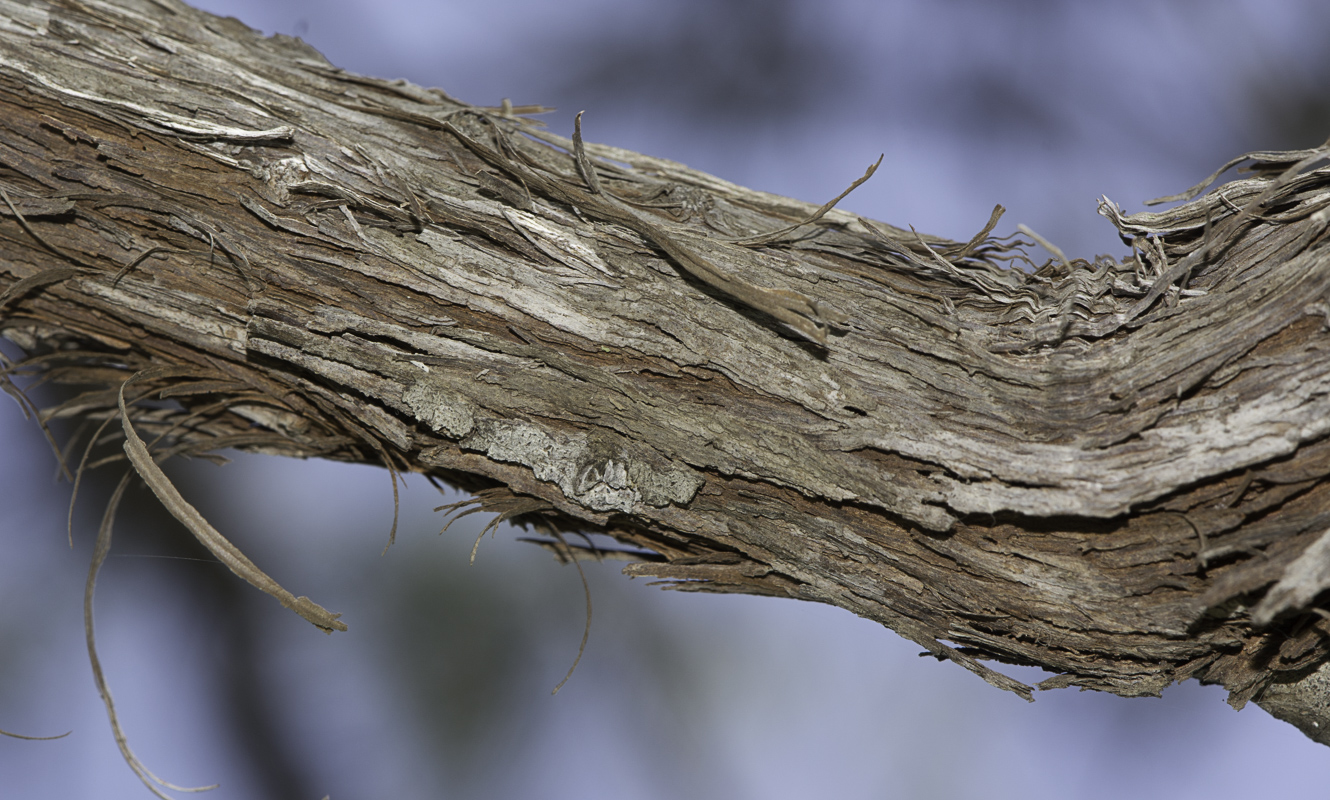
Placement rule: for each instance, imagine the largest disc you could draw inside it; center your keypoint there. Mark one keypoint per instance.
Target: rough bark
(1115, 470)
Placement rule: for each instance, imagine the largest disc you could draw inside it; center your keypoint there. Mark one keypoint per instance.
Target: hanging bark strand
(1100, 468)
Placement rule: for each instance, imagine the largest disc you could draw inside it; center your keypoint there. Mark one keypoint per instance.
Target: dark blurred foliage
(1292, 111)
(475, 656)
(1020, 71)
(465, 649)
(750, 62)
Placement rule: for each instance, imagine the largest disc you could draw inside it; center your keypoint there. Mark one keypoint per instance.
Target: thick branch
(1098, 468)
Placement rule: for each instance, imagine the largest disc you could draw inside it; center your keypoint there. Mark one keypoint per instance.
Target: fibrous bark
(1113, 469)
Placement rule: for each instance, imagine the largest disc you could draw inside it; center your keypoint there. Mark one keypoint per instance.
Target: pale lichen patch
(442, 411)
(577, 463)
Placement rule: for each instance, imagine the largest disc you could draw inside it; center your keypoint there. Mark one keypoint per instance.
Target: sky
(441, 687)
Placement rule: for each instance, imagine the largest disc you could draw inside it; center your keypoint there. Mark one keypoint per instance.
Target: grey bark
(1115, 470)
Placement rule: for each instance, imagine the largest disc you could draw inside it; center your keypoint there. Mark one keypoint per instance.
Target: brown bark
(1113, 470)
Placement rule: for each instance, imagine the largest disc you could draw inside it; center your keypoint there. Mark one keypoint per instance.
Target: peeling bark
(1115, 470)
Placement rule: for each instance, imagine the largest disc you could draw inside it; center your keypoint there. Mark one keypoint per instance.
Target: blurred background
(441, 688)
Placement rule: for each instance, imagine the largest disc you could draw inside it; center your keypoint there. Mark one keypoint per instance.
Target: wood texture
(1115, 470)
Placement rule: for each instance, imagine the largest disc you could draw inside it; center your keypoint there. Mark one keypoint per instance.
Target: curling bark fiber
(1115, 470)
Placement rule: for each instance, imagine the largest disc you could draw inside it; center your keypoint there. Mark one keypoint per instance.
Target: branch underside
(1115, 470)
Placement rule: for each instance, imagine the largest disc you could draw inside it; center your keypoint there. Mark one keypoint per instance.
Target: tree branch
(1100, 468)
